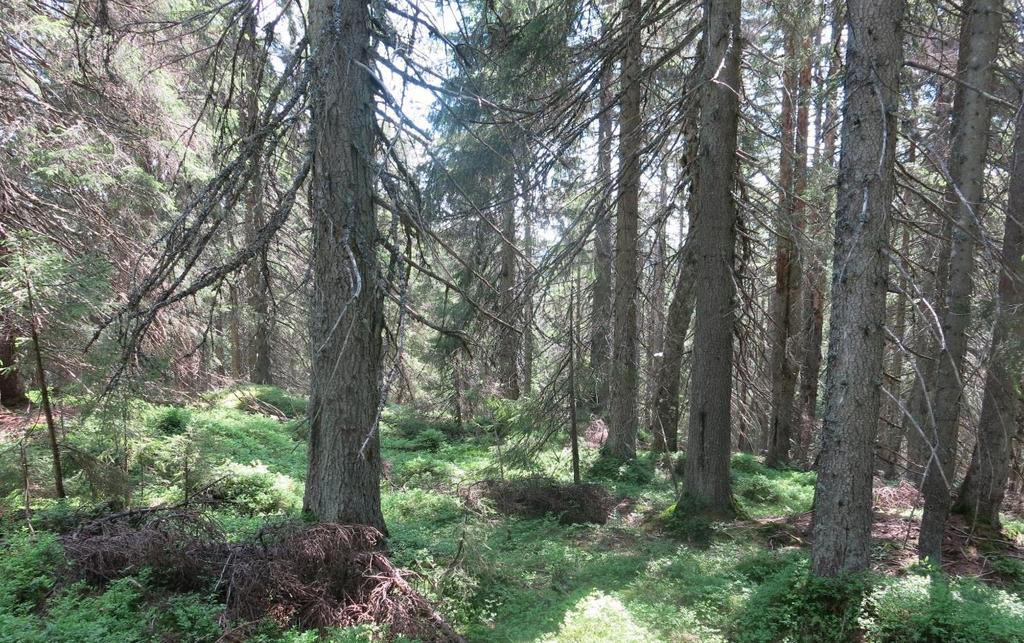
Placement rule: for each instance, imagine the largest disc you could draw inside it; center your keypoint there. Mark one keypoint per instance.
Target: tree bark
(509, 340)
(528, 313)
(625, 375)
(842, 505)
(981, 23)
(890, 441)
(12, 393)
(601, 307)
(786, 295)
(706, 486)
(656, 299)
(347, 312)
(665, 426)
(813, 314)
(44, 394)
(981, 493)
(257, 272)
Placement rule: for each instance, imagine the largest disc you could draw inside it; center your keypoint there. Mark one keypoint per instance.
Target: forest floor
(470, 528)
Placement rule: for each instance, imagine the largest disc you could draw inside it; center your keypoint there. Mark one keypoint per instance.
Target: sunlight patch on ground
(600, 617)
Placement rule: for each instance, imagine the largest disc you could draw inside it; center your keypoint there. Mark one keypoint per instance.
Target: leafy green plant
(171, 420)
(429, 439)
(757, 488)
(28, 565)
(190, 618)
(931, 607)
(639, 470)
(794, 605)
(253, 489)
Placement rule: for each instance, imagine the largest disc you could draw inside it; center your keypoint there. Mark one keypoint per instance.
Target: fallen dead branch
(309, 576)
(572, 504)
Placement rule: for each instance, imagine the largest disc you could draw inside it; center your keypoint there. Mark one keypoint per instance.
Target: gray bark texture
(665, 422)
(625, 372)
(509, 341)
(257, 272)
(979, 41)
(981, 493)
(601, 307)
(786, 301)
(12, 392)
(347, 312)
(842, 511)
(706, 485)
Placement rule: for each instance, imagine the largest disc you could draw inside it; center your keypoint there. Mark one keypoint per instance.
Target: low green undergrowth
(495, 577)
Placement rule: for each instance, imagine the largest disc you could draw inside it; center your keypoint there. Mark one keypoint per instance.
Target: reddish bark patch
(595, 434)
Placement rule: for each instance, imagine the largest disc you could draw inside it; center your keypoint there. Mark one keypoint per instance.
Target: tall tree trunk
(625, 375)
(656, 298)
(347, 312)
(979, 41)
(920, 421)
(842, 505)
(509, 340)
(813, 314)
(665, 424)
(706, 485)
(44, 394)
(235, 345)
(257, 272)
(12, 394)
(665, 403)
(786, 296)
(601, 307)
(574, 437)
(981, 493)
(528, 339)
(890, 440)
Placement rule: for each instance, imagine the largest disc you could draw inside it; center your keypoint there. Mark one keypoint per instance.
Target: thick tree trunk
(601, 307)
(979, 42)
(981, 493)
(347, 312)
(706, 485)
(625, 373)
(786, 296)
(842, 506)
